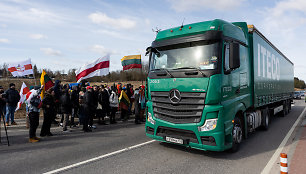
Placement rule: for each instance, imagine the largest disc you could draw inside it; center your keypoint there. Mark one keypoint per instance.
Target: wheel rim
(237, 133)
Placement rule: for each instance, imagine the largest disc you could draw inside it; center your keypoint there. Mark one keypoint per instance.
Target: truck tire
(289, 105)
(283, 113)
(236, 134)
(265, 122)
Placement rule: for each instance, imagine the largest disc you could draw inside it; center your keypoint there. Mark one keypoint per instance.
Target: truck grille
(177, 133)
(188, 110)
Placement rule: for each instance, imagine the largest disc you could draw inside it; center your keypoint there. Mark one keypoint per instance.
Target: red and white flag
(23, 92)
(99, 67)
(21, 68)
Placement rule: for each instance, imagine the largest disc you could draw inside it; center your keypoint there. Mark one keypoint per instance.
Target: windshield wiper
(162, 69)
(194, 68)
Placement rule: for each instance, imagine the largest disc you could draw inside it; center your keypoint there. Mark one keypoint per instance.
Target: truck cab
(210, 83)
(198, 78)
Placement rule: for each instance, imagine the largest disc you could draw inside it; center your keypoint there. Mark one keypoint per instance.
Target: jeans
(74, 114)
(65, 123)
(10, 110)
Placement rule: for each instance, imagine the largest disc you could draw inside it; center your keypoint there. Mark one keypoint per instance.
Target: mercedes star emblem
(175, 96)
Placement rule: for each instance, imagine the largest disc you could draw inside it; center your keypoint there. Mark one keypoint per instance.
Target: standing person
(137, 106)
(2, 102)
(95, 91)
(124, 103)
(114, 103)
(57, 91)
(89, 108)
(66, 106)
(82, 112)
(12, 99)
(142, 101)
(34, 104)
(75, 104)
(48, 105)
(104, 101)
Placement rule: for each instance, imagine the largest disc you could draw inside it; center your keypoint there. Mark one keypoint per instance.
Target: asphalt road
(64, 149)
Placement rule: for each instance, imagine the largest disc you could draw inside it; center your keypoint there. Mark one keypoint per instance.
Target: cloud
(284, 25)
(3, 40)
(117, 23)
(102, 50)
(38, 36)
(28, 14)
(51, 52)
(195, 5)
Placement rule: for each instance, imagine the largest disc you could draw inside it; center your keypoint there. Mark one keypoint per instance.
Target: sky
(65, 34)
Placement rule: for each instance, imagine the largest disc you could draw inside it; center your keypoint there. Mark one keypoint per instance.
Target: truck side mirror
(148, 50)
(234, 56)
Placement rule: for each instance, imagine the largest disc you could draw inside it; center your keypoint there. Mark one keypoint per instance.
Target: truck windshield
(199, 55)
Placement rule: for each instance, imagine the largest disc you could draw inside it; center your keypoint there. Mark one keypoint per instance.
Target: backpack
(36, 102)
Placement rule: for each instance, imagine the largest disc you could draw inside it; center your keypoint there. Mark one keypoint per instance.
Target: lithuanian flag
(46, 81)
(130, 62)
(124, 100)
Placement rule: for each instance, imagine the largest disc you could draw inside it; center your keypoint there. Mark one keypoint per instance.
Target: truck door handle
(237, 91)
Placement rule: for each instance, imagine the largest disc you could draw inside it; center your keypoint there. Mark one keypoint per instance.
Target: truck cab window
(226, 57)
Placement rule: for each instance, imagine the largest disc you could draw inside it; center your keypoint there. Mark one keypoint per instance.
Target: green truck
(212, 83)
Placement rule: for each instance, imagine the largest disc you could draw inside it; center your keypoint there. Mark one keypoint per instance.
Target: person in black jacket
(75, 104)
(104, 101)
(12, 99)
(95, 91)
(66, 106)
(2, 102)
(48, 105)
(89, 108)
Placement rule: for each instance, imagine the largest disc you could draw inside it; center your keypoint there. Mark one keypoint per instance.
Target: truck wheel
(236, 134)
(284, 111)
(289, 105)
(265, 122)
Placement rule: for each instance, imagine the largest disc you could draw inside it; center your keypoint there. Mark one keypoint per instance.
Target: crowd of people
(68, 102)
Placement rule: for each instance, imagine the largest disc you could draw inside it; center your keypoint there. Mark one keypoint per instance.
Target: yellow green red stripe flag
(124, 100)
(130, 62)
(46, 81)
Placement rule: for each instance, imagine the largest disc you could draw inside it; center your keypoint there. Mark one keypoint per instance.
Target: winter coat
(66, 106)
(2, 100)
(89, 101)
(35, 101)
(75, 98)
(57, 89)
(48, 103)
(104, 99)
(12, 97)
(113, 100)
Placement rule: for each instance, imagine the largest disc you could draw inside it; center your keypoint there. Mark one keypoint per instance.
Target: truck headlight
(210, 124)
(150, 118)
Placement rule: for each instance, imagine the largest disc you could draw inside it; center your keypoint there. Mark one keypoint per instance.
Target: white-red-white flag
(99, 67)
(23, 92)
(21, 68)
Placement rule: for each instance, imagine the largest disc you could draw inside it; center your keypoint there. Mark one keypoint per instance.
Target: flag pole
(33, 73)
(141, 72)
(34, 77)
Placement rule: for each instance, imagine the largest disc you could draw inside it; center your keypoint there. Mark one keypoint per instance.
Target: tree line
(299, 83)
(70, 76)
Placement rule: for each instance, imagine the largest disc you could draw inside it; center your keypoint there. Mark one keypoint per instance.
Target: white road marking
(99, 157)
(276, 154)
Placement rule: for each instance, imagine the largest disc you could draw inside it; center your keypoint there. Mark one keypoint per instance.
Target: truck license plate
(175, 140)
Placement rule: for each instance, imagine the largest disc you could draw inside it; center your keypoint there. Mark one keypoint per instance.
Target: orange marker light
(233, 121)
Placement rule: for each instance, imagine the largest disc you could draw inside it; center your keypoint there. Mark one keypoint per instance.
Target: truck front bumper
(188, 134)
